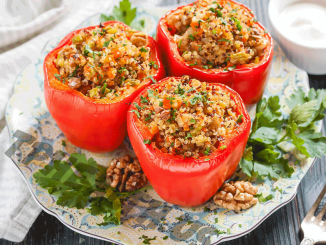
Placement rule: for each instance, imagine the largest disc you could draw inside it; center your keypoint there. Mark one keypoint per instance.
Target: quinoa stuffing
(217, 34)
(105, 62)
(187, 117)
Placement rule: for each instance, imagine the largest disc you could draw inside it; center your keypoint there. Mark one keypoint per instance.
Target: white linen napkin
(21, 19)
(18, 210)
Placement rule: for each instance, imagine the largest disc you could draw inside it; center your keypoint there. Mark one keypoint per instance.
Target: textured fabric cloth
(20, 19)
(18, 209)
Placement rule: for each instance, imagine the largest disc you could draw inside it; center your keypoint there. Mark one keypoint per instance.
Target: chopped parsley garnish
(192, 120)
(104, 87)
(151, 77)
(173, 114)
(63, 143)
(136, 112)
(143, 50)
(240, 119)
(152, 63)
(74, 72)
(137, 106)
(216, 220)
(58, 76)
(206, 159)
(143, 99)
(188, 136)
(218, 232)
(223, 147)
(179, 218)
(191, 37)
(179, 44)
(108, 42)
(122, 69)
(239, 26)
(207, 151)
(232, 67)
(214, 31)
(147, 142)
(142, 23)
(151, 94)
(261, 198)
(149, 117)
(146, 239)
(165, 238)
(224, 40)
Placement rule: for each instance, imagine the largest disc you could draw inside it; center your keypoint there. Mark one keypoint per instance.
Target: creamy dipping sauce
(304, 22)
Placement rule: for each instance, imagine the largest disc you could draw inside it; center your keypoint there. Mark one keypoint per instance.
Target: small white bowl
(299, 26)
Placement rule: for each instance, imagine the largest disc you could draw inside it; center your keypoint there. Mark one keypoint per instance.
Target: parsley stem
(280, 140)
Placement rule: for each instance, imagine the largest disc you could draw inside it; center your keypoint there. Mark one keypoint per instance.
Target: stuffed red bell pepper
(189, 137)
(92, 76)
(217, 41)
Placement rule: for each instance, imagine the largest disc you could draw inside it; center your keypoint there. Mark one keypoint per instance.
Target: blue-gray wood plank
(281, 228)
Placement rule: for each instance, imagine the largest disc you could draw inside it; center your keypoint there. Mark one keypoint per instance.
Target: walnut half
(125, 174)
(236, 196)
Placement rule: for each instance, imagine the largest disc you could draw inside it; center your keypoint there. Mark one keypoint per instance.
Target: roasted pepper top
(217, 34)
(188, 117)
(105, 62)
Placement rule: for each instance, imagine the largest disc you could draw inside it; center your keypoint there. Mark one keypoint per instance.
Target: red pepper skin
(96, 125)
(248, 80)
(188, 182)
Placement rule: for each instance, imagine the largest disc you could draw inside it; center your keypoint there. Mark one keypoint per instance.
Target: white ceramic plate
(142, 213)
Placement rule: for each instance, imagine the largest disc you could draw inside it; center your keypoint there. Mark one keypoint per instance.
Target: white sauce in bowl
(304, 22)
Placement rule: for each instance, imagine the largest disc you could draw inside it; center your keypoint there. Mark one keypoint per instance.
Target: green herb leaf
(57, 76)
(224, 40)
(61, 180)
(147, 142)
(191, 37)
(106, 44)
(105, 18)
(239, 120)
(143, 50)
(136, 112)
(231, 68)
(239, 26)
(261, 198)
(123, 13)
(137, 106)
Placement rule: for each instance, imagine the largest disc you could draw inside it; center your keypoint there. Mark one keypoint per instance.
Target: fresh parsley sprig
(74, 189)
(264, 155)
(126, 14)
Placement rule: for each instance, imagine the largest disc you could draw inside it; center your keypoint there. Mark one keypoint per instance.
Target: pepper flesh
(188, 182)
(249, 80)
(97, 125)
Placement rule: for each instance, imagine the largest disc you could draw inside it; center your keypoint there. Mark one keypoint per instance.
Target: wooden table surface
(281, 228)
